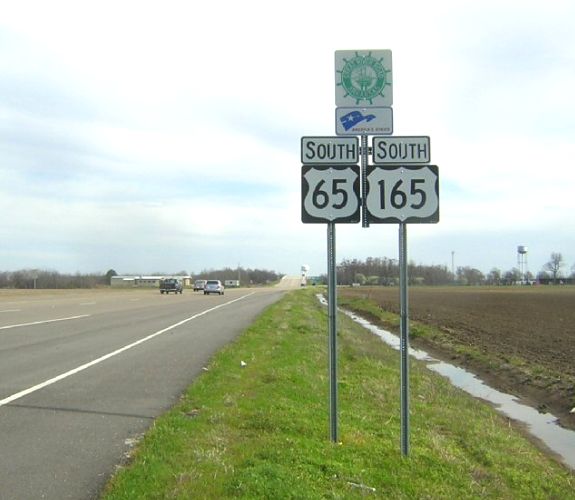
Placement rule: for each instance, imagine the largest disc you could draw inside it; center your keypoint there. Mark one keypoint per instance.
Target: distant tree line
(245, 276)
(36, 278)
(385, 271)
(372, 271)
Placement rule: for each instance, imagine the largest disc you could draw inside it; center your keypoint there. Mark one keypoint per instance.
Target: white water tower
(522, 261)
(304, 271)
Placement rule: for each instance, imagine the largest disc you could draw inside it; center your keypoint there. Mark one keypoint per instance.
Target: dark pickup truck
(171, 285)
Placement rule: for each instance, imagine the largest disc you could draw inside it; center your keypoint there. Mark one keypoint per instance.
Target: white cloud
(139, 121)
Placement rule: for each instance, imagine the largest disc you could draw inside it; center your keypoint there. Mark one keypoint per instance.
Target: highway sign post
(363, 78)
(399, 187)
(332, 330)
(403, 340)
(403, 194)
(330, 194)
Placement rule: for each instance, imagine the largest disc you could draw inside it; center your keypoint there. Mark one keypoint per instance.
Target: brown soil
(520, 340)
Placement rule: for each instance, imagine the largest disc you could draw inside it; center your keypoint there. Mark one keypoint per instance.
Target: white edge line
(44, 321)
(83, 367)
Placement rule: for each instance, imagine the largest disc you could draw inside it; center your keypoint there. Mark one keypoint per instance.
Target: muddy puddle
(541, 425)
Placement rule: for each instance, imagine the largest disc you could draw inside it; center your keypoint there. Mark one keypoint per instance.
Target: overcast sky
(165, 136)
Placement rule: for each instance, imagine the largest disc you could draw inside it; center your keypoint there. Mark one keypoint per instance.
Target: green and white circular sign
(363, 78)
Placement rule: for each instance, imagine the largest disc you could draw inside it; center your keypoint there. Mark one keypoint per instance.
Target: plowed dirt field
(518, 339)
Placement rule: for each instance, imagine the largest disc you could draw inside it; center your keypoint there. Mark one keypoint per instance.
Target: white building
(145, 281)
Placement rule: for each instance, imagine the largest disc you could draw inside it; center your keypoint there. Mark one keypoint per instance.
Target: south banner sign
(401, 150)
(329, 150)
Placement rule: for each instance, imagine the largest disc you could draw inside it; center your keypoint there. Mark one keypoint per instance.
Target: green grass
(262, 431)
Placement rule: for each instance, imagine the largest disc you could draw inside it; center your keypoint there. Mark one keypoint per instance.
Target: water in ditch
(544, 426)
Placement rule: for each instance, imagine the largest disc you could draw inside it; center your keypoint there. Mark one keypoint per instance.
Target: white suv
(214, 286)
(199, 285)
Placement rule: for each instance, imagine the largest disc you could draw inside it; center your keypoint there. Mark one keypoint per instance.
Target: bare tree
(494, 277)
(512, 276)
(554, 265)
(469, 276)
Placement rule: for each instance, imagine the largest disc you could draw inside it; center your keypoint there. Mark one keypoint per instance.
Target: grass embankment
(262, 430)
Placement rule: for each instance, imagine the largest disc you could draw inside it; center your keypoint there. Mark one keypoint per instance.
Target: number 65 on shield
(330, 193)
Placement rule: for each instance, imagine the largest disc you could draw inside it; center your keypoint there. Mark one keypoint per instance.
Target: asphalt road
(83, 374)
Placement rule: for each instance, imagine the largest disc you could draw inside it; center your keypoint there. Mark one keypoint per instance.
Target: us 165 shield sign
(407, 194)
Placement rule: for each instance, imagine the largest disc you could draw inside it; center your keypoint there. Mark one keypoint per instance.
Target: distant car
(171, 285)
(199, 285)
(214, 286)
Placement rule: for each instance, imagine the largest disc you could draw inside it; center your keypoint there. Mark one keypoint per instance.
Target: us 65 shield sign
(407, 194)
(330, 193)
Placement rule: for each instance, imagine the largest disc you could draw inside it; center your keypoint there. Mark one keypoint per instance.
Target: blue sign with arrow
(363, 121)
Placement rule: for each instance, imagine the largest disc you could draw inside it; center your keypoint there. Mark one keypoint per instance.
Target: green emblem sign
(363, 78)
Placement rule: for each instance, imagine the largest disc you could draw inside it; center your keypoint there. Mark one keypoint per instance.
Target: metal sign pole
(364, 220)
(332, 312)
(404, 341)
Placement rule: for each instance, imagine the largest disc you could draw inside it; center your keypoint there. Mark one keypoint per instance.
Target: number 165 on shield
(402, 194)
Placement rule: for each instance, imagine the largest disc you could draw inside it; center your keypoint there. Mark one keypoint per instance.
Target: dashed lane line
(44, 321)
(83, 367)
